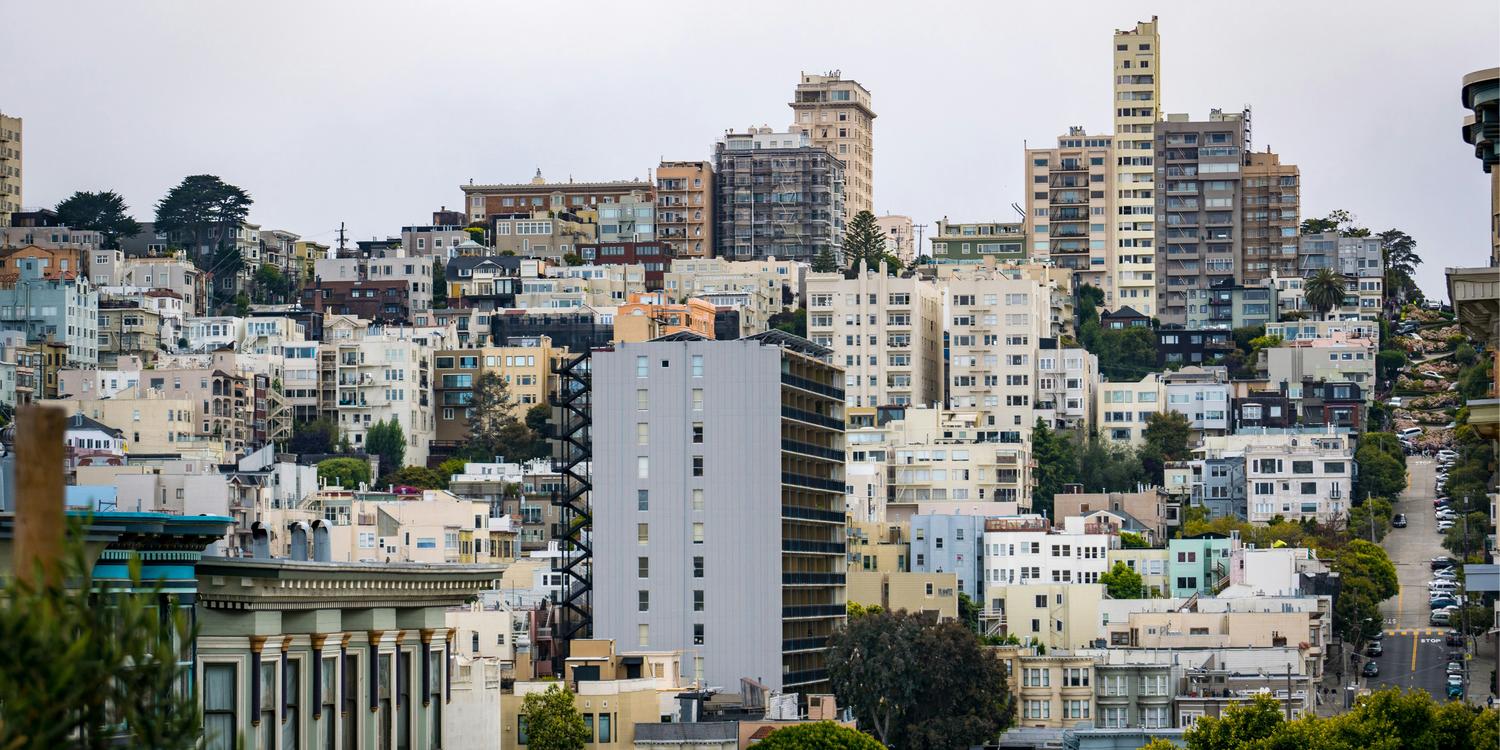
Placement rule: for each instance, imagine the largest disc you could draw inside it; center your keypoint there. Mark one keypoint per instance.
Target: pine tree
(863, 242)
(824, 262)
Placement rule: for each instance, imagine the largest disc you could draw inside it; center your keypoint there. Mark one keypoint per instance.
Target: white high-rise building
(1137, 109)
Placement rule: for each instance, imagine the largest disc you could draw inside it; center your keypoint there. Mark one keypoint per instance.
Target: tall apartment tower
(997, 324)
(885, 331)
(10, 167)
(685, 208)
(1270, 217)
(1070, 216)
(777, 195)
(835, 113)
(1137, 104)
(719, 521)
(1198, 201)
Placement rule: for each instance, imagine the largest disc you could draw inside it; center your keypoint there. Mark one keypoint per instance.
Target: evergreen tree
(387, 440)
(103, 212)
(824, 262)
(552, 721)
(200, 203)
(864, 243)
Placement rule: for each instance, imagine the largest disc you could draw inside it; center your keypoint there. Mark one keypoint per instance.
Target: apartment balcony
(814, 483)
(808, 449)
(807, 546)
(812, 386)
(804, 677)
(799, 513)
(805, 611)
(794, 645)
(813, 579)
(820, 420)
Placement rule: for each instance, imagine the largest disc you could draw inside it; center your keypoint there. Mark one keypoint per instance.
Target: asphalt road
(1415, 654)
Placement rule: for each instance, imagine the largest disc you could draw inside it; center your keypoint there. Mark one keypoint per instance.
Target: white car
(1447, 453)
(1444, 525)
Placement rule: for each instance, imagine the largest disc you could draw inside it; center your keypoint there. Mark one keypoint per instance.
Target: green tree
(917, 685)
(493, 427)
(1388, 364)
(853, 609)
(818, 735)
(552, 722)
(387, 440)
(1122, 582)
(1241, 726)
(271, 286)
(791, 321)
(1466, 540)
(241, 304)
(1474, 380)
(1386, 442)
(348, 473)
(864, 243)
(476, 234)
(104, 212)
(1324, 291)
(89, 663)
(1465, 355)
(1371, 518)
(1108, 466)
(573, 259)
(1056, 465)
(1124, 354)
(439, 284)
(1166, 440)
(199, 204)
(1133, 541)
(824, 262)
(968, 612)
(1379, 474)
(420, 477)
(449, 468)
(1337, 220)
(1399, 251)
(316, 436)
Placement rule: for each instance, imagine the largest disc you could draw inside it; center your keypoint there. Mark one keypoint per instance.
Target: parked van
(1442, 584)
(1410, 432)
(1439, 617)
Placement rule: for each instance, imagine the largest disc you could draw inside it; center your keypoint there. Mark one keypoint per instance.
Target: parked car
(1455, 687)
(1447, 453)
(1455, 667)
(1374, 649)
(1394, 403)
(1410, 432)
(1442, 602)
(1439, 617)
(1399, 520)
(1442, 562)
(1455, 639)
(1370, 669)
(1446, 574)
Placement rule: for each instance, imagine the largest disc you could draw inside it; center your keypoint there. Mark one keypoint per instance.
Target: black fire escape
(572, 451)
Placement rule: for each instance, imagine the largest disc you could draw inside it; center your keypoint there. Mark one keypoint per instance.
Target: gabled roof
(1124, 312)
(80, 422)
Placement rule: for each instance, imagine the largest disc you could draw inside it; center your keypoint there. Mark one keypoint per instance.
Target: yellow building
(1150, 563)
(613, 690)
(879, 546)
(927, 593)
(1057, 615)
(305, 253)
(835, 113)
(1053, 690)
(526, 370)
(1137, 109)
(10, 167)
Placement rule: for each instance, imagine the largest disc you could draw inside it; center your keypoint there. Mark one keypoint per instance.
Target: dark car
(1443, 562)
(1370, 669)
(1399, 521)
(1374, 649)
(1454, 639)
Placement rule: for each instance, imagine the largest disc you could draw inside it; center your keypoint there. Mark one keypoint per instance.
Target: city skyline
(305, 142)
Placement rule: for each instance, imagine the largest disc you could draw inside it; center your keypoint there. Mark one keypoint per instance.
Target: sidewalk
(1480, 668)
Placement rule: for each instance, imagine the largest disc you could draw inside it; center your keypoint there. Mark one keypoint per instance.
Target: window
(1076, 709)
(220, 725)
(643, 532)
(643, 601)
(604, 728)
(1154, 717)
(643, 499)
(328, 700)
(267, 708)
(1038, 709)
(1114, 718)
(697, 365)
(697, 466)
(1154, 684)
(697, 499)
(1074, 677)
(698, 567)
(643, 567)
(698, 600)
(697, 532)
(642, 366)
(642, 638)
(697, 399)
(697, 432)
(643, 467)
(641, 399)
(1036, 677)
(642, 433)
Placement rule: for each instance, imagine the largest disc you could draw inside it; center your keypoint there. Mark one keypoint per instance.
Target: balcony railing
(804, 677)
(821, 389)
(812, 579)
(816, 483)
(812, 514)
(808, 449)
(811, 418)
(813, 610)
(806, 545)
(803, 644)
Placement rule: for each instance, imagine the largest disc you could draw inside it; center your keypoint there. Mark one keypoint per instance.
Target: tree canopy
(1122, 582)
(494, 429)
(200, 203)
(864, 243)
(104, 212)
(347, 473)
(552, 722)
(918, 685)
(1166, 440)
(387, 440)
(1385, 720)
(824, 262)
(818, 735)
(316, 436)
(1324, 290)
(420, 477)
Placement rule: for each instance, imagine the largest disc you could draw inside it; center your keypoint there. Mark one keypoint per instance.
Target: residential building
(54, 262)
(629, 218)
(1310, 477)
(1152, 507)
(976, 242)
(553, 234)
(885, 331)
(170, 272)
(1137, 109)
(1176, 347)
(1228, 305)
(835, 113)
(378, 287)
(1124, 407)
(758, 292)
(1202, 395)
(1052, 689)
(652, 315)
(129, 329)
(687, 462)
(1135, 688)
(306, 252)
(370, 374)
(1122, 318)
(522, 492)
(291, 652)
(525, 367)
(386, 301)
(1199, 565)
(1150, 563)
(651, 256)
(10, 168)
(933, 594)
(942, 543)
(434, 527)
(486, 280)
(580, 286)
(879, 546)
(484, 202)
(777, 195)
(1215, 479)
(685, 208)
(1214, 680)
(899, 241)
(155, 424)
(615, 690)
(936, 456)
(1029, 550)
(1338, 358)
(1070, 216)
(19, 369)
(62, 310)
(997, 322)
(1270, 217)
(1360, 260)
(1303, 330)
(1199, 240)
(433, 241)
(576, 329)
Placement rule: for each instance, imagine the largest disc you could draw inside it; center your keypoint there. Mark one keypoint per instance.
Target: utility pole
(916, 255)
(342, 243)
(1288, 691)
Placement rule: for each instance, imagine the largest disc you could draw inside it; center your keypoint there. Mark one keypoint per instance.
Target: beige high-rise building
(1137, 108)
(885, 331)
(1070, 216)
(10, 167)
(835, 112)
(1270, 218)
(899, 242)
(685, 208)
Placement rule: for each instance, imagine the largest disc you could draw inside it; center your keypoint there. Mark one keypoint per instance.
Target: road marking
(1414, 652)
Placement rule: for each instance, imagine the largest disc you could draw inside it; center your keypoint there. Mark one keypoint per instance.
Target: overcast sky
(374, 112)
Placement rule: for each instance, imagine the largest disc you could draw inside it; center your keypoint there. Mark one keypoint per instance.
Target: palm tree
(1324, 290)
